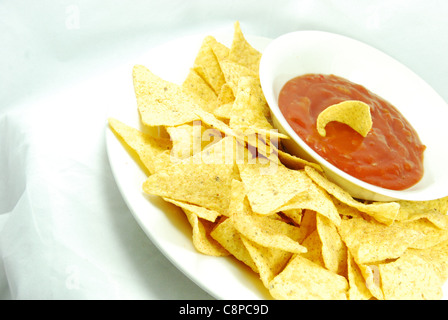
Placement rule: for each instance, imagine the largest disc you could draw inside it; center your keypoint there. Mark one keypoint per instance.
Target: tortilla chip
(433, 210)
(210, 69)
(230, 239)
(313, 246)
(334, 251)
(249, 109)
(242, 52)
(196, 180)
(384, 212)
(200, 235)
(432, 235)
(269, 261)
(202, 92)
(355, 114)
(160, 102)
(437, 256)
(294, 162)
(357, 284)
(269, 190)
(266, 231)
(201, 212)
(233, 72)
(372, 242)
(317, 200)
(152, 151)
(410, 278)
(302, 279)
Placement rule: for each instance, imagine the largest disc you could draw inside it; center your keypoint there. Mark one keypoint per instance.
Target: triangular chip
(210, 69)
(202, 240)
(372, 242)
(201, 179)
(206, 97)
(410, 278)
(384, 212)
(334, 251)
(233, 72)
(355, 114)
(303, 279)
(270, 186)
(242, 52)
(228, 237)
(160, 102)
(152, 151)
(269, 261)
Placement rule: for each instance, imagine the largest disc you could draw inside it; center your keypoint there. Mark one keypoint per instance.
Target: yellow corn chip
(210, 69)
(230, 239)
(355, 114)
(304, 280)
(242, 52)
(203, 93)
(382, 211)
(160, 102)
(197, 180)
(357, 284)
(200, 235)
(334, 251)
(371, 241)
(269, 261)
(410, 278)
(150, 150)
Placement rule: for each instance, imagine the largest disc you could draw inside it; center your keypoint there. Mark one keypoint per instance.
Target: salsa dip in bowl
(404, 154)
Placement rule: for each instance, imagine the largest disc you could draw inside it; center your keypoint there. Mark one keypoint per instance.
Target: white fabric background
(65, 232)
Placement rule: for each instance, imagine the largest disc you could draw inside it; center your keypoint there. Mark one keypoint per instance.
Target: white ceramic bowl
(303, 52)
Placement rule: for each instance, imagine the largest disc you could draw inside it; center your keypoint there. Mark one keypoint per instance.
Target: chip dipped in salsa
(391, 154)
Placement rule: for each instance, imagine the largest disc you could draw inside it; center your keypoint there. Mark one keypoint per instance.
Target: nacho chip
(202, 92)
(317, 200)
(230, 239)
(357, 284)
(268, 190)
(313, 246)
(242, 52)
(437, 256)
(355, 114)
(160, 102)
(201, 238)
(410, 278)
(201, 212)
(371, 241)
(304, 280)
(152, 151)
(233, 72)
(294, 162)
(196, 180)
(384, 212)
(250, 110)
(334, 251)
(371, 274)
(267, 231)
(434, 210)
(432, 235)
(269, 261)
(209, 68)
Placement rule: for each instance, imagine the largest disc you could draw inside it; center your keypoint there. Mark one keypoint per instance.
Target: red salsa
(390, 156)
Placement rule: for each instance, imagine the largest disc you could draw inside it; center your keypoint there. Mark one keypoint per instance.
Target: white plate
(164, 224)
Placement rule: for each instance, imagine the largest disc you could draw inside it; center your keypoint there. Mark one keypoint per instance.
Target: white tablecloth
(65, 231)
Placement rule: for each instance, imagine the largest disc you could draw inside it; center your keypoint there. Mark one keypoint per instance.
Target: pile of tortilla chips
(218, 158)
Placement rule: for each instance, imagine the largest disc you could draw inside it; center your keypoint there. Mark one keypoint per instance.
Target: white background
(65, 232)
